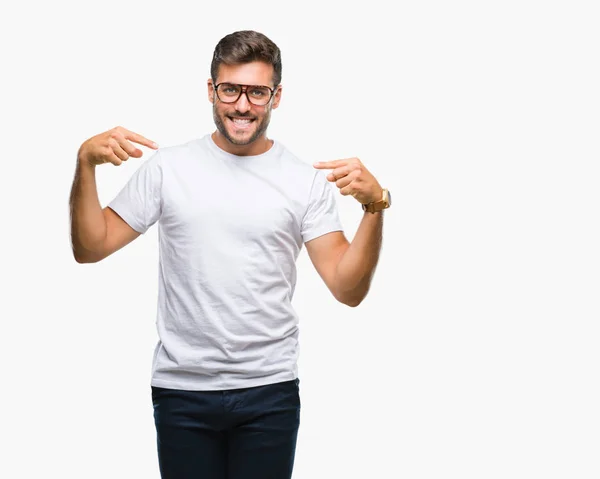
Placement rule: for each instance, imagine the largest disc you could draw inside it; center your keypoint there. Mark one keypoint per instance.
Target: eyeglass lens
(230, 93)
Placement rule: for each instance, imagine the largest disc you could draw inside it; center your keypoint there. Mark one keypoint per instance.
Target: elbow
(82, 259)
(85, 257)
(353, 303)
(79, 258)
(354, 297)
(351, 300)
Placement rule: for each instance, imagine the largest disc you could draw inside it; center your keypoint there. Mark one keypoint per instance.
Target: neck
(259, 146)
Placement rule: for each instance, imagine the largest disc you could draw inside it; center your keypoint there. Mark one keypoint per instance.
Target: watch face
(389, 198)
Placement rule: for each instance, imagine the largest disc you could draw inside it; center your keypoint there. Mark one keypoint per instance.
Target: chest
(230, 204)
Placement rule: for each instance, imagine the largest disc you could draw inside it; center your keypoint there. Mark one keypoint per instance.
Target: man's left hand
(352, 178)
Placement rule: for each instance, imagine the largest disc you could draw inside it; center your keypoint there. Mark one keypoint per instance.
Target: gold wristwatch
(382, 204)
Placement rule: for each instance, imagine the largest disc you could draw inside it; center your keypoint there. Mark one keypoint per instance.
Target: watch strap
(377, 205)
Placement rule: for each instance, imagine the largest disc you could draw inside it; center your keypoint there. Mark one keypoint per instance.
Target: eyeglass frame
(244, 91)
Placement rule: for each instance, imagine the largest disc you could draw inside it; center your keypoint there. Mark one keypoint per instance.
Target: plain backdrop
(475, 354)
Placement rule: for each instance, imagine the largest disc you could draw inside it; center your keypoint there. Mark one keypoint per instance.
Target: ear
(211, 90)
(277, 97)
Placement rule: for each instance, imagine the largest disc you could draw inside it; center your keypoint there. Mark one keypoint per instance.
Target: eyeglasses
(256, 94)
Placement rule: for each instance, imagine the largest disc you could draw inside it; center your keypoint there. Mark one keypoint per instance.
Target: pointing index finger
(327, 165)
(130, 135)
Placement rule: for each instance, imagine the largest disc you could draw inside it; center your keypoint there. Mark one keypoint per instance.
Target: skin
(346, 268)
(251, 141)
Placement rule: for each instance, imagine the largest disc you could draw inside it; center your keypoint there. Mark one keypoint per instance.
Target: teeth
(238, 120)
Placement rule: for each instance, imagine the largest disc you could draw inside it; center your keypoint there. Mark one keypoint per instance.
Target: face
(242, 124)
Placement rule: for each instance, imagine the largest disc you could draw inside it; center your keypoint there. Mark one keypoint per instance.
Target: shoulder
(179, 158)
(301, 176)
(301, 168)
(182, 150)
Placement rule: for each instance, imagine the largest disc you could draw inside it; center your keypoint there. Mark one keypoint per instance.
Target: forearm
(88, 226)
(358, 263)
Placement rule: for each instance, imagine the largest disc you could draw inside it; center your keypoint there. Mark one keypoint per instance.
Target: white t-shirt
(230, 231)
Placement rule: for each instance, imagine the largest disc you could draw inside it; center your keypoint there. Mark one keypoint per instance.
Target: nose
(243, 104)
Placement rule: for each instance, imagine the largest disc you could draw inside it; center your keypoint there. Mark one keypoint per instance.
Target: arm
(95, 232)
(348, 268)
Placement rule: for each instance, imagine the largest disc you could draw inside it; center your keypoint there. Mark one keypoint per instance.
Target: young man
(234, 209)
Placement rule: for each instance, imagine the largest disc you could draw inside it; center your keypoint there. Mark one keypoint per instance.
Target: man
(234, 209)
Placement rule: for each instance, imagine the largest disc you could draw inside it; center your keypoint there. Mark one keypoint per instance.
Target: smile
(241, 123)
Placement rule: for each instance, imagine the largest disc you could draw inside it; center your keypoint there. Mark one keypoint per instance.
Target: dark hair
(244, 47)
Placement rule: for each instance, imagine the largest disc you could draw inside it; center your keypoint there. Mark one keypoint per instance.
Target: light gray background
(476, 353)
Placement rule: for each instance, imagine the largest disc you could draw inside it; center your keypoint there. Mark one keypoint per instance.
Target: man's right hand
(113, 146)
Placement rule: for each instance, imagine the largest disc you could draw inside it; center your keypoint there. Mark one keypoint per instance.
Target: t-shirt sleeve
(322, 215)
(139, 201)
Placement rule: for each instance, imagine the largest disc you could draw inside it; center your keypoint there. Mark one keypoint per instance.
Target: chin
(241, 140)
(244, 135)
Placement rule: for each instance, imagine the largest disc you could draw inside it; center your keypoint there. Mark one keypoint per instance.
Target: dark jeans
(245, 433)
